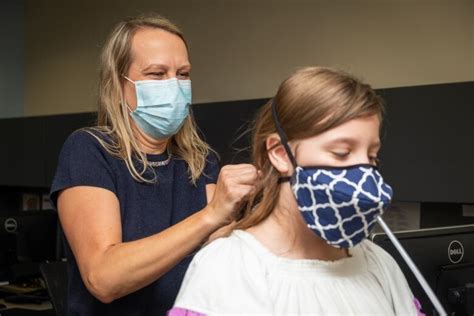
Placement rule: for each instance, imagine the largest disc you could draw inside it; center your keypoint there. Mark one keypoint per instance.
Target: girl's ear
(277, 155)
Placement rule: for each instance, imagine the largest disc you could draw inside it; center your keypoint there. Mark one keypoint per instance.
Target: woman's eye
(183, 75)
(156, 74)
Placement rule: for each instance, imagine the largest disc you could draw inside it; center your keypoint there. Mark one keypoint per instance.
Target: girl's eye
(341, 154)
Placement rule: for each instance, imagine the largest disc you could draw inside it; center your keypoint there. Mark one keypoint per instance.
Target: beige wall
(242, 49)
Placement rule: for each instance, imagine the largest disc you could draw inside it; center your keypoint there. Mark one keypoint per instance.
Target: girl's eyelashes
(341, 154)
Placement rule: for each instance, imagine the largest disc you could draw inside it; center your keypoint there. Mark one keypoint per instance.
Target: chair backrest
(55, 276)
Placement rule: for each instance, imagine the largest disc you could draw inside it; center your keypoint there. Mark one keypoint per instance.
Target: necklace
(160, 163)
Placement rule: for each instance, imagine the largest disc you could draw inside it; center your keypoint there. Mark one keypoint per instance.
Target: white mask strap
(129, 109)
(128, 79)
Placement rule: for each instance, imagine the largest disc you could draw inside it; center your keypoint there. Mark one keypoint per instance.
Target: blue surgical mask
(162, 106)
(339, 204)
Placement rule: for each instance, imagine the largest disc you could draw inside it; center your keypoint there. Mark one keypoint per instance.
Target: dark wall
(31, 147)
(225, 126)
(428, 139)
(428, 143)
(427, 154)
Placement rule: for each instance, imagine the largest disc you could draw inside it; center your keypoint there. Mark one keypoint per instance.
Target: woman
(301, 247)
(133, 192)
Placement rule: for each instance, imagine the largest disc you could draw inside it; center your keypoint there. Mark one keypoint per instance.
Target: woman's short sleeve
(211, 170)
(83, 161)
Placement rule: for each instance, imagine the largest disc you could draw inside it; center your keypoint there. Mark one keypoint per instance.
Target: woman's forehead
(155, 46)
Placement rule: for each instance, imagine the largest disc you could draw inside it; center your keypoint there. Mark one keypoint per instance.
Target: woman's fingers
(238, 180)
(234, 185)
(239, 174)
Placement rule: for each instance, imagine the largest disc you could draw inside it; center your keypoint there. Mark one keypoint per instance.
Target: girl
(301, 245)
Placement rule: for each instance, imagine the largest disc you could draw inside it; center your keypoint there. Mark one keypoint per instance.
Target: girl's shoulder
(225, 275)
(391, 278)
(230, 252)
(376, 254)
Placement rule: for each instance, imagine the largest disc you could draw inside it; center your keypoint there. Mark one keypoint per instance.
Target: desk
(43, 309)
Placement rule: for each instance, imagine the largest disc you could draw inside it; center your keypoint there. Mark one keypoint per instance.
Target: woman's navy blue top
(145, 209)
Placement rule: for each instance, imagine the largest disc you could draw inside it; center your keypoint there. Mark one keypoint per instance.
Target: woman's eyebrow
(155, 66)
(163, 66)
(185, 67)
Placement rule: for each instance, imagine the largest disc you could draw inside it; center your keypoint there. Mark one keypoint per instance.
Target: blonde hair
(311, 101)
(113, 118)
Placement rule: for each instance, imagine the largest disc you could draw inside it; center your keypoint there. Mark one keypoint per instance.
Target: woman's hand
(234, 185)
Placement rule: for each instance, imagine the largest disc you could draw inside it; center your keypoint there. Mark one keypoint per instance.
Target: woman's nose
(170, 74)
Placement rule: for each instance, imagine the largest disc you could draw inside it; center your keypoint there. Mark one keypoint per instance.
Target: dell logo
(10, 225)
(455, 251)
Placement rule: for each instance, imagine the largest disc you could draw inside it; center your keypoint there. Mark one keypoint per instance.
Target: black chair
(55, 276)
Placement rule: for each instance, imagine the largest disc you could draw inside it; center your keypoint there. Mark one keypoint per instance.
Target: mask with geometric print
(339, 204)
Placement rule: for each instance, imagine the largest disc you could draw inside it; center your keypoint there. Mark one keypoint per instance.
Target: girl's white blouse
(237, 275)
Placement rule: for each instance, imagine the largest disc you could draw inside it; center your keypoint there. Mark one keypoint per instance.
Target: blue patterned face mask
(162, 106)
(339, 204)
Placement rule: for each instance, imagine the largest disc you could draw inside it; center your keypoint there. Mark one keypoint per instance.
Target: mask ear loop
(128, 79)
(129, 109)
(283, 139)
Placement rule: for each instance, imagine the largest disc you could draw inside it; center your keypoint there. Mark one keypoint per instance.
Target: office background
(419, 54)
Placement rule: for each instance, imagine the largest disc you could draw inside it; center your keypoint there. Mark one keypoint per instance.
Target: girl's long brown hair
(311, 101)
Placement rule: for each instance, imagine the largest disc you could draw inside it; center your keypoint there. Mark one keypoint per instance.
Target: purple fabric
(177, 311)
(418, 308)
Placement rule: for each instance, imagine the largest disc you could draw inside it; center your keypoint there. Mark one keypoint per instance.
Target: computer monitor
(445, 257)
(26, 239)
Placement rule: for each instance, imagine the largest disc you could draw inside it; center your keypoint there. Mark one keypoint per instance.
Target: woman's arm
(110, 268)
